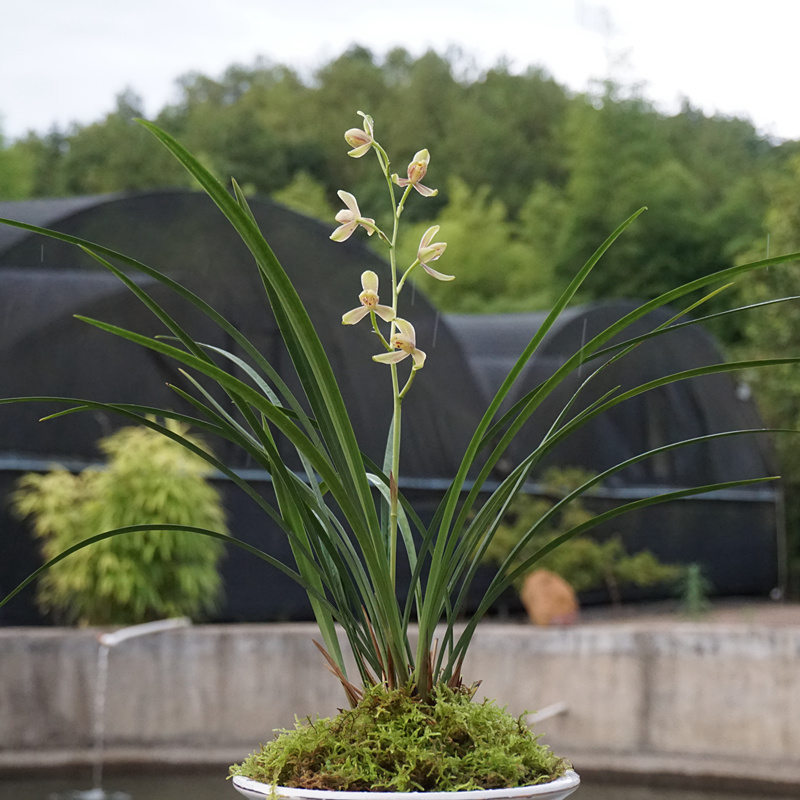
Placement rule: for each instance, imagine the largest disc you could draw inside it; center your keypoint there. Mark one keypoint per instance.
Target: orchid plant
(346, 518)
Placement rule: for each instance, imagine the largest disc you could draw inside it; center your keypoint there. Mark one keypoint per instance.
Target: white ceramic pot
(555, 790)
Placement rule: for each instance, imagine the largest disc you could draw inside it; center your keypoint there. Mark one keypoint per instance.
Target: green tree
(45, 154)
(306, 196)
(774, 331)
(249, 124)
(550, 174)
(702, 194)
(506, 133)
(17, 165)
(116, 155)
(492, 270)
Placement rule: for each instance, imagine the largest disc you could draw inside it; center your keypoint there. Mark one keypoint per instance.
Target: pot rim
(568, 781)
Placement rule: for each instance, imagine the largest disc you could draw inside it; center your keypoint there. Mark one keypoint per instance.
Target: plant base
(394, 741)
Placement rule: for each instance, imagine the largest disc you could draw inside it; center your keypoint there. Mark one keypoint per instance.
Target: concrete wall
(690, 699)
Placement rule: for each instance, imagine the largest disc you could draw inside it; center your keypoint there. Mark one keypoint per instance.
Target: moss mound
(393, 741)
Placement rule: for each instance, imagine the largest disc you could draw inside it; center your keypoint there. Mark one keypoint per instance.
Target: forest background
(531, 178)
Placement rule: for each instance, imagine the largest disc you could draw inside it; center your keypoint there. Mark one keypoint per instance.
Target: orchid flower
(416, 172)
(369, 302)
(360, 140)
(430, 252)
(404, 342)
(351, 218)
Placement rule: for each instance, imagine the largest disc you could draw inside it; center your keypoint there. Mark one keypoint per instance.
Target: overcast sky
(66, 60)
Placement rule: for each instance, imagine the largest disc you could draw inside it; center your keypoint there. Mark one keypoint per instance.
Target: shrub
(586, 563)
(137, 577)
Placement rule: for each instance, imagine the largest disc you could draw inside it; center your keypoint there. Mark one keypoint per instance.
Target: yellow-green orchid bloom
(360, 140)
(404, 342)
(416, 172)
(369, 302)
(350, 218)
(430, 251)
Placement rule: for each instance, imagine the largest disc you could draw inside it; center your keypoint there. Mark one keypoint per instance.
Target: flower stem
(405, 275)
(408, 383)
(397, 395)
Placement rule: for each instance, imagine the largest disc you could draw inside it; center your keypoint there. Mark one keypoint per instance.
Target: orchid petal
(368, 224)
(369, 281)
(417, 170)
(349, 201)
(368, 123)
(391, 358)
(407, 332)
(361, 150)
(359, 140)
(386, 313)
(355, 136)
(427, 237)
(440, 276)
(344, 231)
(419, 358)
(356, 315)
(419, 166)
(425, 191)
(430, 251)
(369, 302)
(350, 218)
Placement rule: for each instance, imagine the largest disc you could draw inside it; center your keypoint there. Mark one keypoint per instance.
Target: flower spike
(369, 302)
(360, 140)
(416, 172)
(429, 251)
(404, 342)
(350, 218)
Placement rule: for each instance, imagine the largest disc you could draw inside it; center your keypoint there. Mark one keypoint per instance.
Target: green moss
(393, 741)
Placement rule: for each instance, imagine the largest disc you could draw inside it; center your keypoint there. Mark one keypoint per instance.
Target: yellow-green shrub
(133, 577)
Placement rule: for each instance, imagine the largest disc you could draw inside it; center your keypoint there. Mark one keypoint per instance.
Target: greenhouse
(45, 351)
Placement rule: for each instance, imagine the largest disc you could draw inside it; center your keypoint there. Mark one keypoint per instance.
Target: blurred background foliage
(128, 579)
(532, 177)
(587, 563)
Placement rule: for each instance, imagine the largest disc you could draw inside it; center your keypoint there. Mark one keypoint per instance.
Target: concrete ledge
(66, 761)
(699, 773)
(686, 701)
